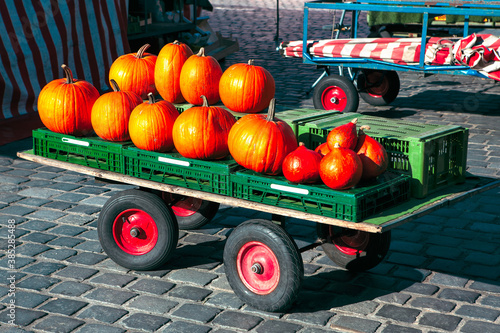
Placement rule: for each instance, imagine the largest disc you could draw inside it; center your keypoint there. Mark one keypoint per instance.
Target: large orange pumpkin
(246, 88)
(341, 168)
(168, 70)
(372, 154)
(200, 76)
(64, 105)
(150, 125)
(201, 132)
(111, 113)
(261, 142)
(302, 165)
(135, 72)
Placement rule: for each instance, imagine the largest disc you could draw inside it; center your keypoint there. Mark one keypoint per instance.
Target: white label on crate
(172, 161)
(290, 189)
(76, 142)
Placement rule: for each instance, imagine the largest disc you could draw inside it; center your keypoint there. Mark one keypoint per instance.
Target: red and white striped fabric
(38, 36)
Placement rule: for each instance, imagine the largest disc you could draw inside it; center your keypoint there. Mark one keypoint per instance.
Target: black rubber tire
(204, 214)
(288, 257)
(389, 79)
(332, 84)
(374, 249)
(167, 229)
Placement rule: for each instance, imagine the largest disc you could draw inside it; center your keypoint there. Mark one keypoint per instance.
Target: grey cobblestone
(153, 304)
(441, 321)
(182, 326)
(110, 295)
(195, 312)
(145, 322)
(237, 320)
(102, 313)
(356, 324)
(64, 306)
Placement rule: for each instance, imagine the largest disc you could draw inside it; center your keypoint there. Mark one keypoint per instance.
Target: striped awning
(38, 36)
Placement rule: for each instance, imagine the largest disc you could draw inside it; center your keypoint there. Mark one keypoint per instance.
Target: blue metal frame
(486, 8)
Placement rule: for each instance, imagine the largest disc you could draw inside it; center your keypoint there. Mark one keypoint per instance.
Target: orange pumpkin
(168, 70)
(135, 72)
(150, 125)
(111, 113)
(201, 132)
(302, 165)
(246, 88)
(345, 135)
(322, 149)
(372, 154)
(341, 168)
(200, 76)
(64, 105)
(261, 143)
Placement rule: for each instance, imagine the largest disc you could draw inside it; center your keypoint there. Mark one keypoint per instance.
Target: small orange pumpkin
(201, 132)
(341, 168)
(345, 135)
(372, 154)
(200, 76)
(150, 125)
(64, 105)
(322, 149)
(261, 142)
(302, 165)
(135, 72)
(168, 70)
(246, 88)
(111, 113)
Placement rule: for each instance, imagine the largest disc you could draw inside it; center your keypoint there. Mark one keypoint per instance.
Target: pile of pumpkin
(258, 142)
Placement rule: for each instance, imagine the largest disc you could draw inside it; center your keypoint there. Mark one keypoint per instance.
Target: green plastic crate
(88, 151)
(434, 156)
(173, 169)
(353, 205)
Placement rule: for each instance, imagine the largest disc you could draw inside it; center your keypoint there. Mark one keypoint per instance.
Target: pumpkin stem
(141, 51)
(114, 85)
(271, 111)
(365, 127)
(205, 100)
(176, 42)
(355, 121)
(250, 62)
(201, 53)
(151, 98)
(67, 73)
(337, 145)
(301, 144)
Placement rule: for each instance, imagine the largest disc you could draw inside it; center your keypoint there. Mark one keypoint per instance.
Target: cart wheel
(336, 93)
(352, 249)
(191, 213)
(137, 230)
(263, 265)
(378, 87)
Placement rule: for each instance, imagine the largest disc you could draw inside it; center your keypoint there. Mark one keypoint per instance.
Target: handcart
(139, 230)
(368, 66)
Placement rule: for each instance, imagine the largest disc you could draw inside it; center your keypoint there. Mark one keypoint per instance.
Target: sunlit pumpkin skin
(261, 142)
(345, 135)
(150, 125)
(323, 149)
(372, 154)
(135, 72)
(168, 70)
(246, 88)
(201, 132)
(302, 165)
(341, 168)
(111, 113)
(64, 105)
(200, 76)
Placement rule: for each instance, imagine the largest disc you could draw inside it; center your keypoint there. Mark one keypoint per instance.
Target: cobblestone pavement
(442, 272)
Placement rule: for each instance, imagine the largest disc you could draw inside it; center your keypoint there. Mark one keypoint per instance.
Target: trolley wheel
(191, 213)
(352, 249)
(263, 265)
(137, 230)
(377, 87)
(336, 93)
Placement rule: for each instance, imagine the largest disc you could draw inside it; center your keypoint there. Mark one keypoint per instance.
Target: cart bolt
(134, 232)
(257, 268)
(334, 100)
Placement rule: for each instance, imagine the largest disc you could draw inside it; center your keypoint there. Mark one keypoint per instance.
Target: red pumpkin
(302, 165)
(341, 168)
(64, 105)
(168, 70)
(322, 149)
(345, 135)
(150, 125)
(200, 76)
(372, 154)
(246, 88)
(111, 113)
(201, 132)
(261, 143)
(135, 72)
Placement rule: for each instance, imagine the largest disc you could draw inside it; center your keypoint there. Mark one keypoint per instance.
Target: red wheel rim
(184, 207)
(334, 98)
(135, 232)
(378, 86)
(258, 268)
(352, 244)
